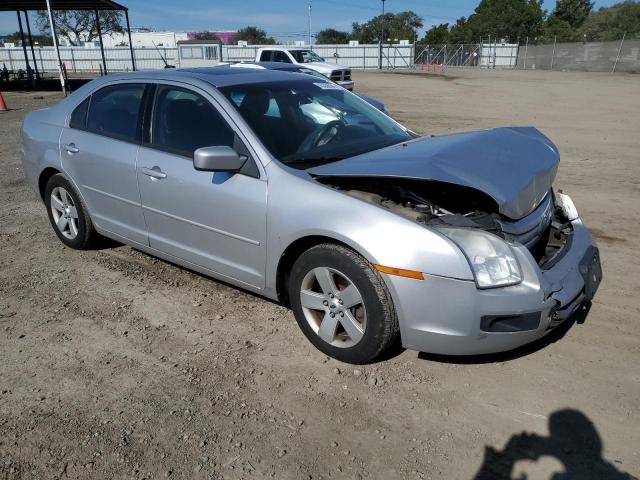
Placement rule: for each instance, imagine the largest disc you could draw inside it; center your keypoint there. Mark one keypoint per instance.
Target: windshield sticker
(328, 86)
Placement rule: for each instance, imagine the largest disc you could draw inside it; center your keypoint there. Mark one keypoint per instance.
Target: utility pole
(309, 24)
(381, 38)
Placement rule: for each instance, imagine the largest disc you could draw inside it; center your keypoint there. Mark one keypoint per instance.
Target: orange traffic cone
(3, 106)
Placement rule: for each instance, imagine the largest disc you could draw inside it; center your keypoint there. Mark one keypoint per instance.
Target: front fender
(299, 207)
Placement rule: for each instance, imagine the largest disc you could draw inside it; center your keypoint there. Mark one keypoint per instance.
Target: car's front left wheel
(68, 214)
(342, 304)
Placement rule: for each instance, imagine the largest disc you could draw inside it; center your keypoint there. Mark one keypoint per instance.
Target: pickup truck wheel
(68, 214)
(342, 304)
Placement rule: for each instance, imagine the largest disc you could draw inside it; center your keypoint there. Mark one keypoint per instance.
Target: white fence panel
(353, 56)
(80, 59)
(503, 55)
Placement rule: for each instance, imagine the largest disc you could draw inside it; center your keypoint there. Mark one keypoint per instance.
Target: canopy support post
(133, 58)
(24, 49)
(33, 53)
(55, 44)
(104, 60)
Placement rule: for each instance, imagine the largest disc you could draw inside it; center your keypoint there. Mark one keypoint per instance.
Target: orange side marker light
(400, 272)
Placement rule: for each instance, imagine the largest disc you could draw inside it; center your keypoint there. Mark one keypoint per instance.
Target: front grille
(529, 230)
(340, 75)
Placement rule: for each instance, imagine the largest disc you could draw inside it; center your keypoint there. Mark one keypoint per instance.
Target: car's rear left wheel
(342, 304)
(68, 214)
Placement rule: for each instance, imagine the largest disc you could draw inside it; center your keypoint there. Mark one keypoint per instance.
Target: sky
(283, 19)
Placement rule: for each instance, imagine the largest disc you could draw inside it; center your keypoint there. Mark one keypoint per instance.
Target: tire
(68, 214)
(342, 305)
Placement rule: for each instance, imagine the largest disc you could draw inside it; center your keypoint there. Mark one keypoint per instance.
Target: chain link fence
(488, 55)
(618, 56)
(449, 55)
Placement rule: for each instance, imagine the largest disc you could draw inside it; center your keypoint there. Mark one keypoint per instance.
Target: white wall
(146, 39)
(139, 39)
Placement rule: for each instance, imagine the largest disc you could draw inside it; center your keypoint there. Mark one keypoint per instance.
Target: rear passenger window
(279, 56)
(185, 121)
(265, 56)
(114, 111)
(79, 116)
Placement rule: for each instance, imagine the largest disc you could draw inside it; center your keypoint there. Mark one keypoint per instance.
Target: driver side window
(185, 121)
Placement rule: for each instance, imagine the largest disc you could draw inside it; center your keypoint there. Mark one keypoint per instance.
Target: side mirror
(218, 159)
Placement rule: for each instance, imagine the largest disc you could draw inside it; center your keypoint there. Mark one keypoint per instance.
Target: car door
(213, 220)
(98, 152)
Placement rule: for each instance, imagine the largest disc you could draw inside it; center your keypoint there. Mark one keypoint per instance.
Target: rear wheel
(68, 214)
(342, 304)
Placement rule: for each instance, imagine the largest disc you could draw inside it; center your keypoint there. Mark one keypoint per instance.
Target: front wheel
(342, 304)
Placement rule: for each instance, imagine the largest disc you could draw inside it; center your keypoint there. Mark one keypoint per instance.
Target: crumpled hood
(515, 166)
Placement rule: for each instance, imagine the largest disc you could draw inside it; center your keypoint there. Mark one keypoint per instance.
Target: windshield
(306, 123)
(305, 56)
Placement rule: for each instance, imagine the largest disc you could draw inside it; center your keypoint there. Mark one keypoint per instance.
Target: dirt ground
(116, 365)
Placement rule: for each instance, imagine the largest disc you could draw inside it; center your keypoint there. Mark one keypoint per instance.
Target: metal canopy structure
(13, 5)
(25, 6)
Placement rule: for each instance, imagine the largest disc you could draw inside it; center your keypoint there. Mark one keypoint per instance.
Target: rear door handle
(154, 172)
(71, 148)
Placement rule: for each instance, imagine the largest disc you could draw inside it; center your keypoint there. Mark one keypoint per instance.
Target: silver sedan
(296, 189)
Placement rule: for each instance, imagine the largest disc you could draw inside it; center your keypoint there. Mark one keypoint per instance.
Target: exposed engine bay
(439, 204)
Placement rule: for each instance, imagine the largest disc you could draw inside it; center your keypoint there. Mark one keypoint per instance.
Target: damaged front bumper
(452, 317)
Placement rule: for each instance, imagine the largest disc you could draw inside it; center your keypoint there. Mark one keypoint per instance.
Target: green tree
(438, 34)
(558, 30)
(80, 25)
(401, 26)
(206, 36)
(331, 36)
(612, 23)
(254, 36)
(573, 12)
(40, 40)
(461, 32)
(504, 19)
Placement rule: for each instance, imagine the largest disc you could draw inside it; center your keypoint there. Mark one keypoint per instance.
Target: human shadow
(573, 440)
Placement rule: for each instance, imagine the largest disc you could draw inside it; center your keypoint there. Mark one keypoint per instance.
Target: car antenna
(166, 65)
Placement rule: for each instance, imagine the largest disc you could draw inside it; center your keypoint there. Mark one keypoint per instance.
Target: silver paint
(514, 166)
(237, 228)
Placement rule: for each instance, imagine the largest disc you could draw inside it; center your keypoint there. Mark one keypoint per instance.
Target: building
(143, 38)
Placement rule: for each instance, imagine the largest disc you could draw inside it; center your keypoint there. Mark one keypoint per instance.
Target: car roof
(293, 67)
(284, 48)
(220, 76)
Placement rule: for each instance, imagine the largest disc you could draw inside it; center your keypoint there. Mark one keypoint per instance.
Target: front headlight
(492, 260)
(567, 206)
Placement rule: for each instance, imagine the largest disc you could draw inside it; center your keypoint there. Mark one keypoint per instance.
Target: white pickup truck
(310, 59)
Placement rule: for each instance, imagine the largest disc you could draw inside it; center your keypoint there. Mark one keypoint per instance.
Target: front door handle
(71, 148)
(154, 172)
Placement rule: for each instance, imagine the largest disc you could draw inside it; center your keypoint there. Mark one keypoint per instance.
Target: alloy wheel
(333, 307)
(65, 214)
